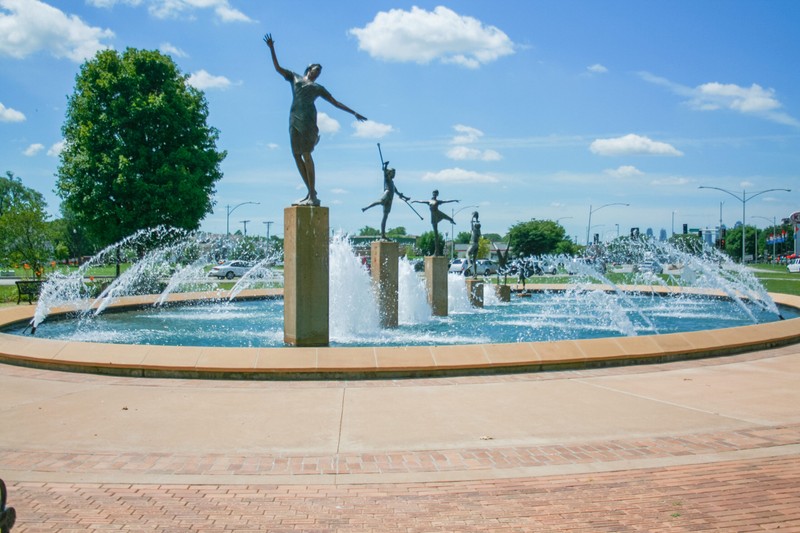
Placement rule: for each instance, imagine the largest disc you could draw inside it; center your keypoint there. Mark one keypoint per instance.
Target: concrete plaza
(704, 445)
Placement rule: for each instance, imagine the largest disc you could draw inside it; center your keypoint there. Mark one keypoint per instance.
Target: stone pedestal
(305, 273)
(503, 292)
(383, 265)
(436, 283)
(475, 292)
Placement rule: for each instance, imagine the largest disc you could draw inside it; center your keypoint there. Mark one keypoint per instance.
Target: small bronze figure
(436, 216)
(303, 130)
(474, 241)
(389, 190)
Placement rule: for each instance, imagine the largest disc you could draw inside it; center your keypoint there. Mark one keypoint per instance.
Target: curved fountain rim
(380, 361)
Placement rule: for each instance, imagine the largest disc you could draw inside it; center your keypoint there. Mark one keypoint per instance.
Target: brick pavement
(734, 496)
(745, 479)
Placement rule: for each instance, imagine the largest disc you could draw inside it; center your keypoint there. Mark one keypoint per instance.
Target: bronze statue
(474, 241)
(303, 130)
(389, 190)
(436, 216)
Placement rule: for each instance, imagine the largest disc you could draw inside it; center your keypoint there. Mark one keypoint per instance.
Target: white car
(458, 265)
(230, 269)
(793, 265)
(485, 267)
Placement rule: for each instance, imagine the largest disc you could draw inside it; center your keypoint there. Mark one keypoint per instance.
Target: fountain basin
(381, 361)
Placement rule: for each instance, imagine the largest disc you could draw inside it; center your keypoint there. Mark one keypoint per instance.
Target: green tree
(463, 237)
(399, 231)
(138, 151)
(425, 243)
(535, 237)
(367, 231)
(24, 230)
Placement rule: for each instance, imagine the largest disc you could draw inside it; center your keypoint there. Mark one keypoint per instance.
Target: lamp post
(774, 224)
(452, 228)
(589, 226)
(230, 210)
(245, 226)
(268, 223)
(744, 198)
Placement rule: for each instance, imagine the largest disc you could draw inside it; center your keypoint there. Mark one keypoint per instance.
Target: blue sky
(525, 108)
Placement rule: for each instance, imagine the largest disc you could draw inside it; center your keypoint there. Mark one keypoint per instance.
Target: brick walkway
(737, 496)
(744, 475)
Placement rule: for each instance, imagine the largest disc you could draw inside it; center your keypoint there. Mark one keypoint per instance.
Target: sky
(519, 109)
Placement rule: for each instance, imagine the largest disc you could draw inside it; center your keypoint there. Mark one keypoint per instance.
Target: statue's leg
(383, 223)
(312, 178)
(301, 167)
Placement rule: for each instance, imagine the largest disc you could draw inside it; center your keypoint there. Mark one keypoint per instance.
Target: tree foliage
(425, 243)
(535, 237)
(138, 151)
(24, 230)
(368, 231)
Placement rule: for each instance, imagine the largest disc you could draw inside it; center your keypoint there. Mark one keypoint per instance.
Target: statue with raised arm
(436, 217)
(389, 190)
(303, 130)
(474, 242)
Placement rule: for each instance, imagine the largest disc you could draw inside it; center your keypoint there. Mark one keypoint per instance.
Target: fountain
(564, 324)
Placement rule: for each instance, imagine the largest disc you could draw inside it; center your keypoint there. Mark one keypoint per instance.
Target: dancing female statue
(303, 130)
(436, 217)
(474, 242)
(389, 190)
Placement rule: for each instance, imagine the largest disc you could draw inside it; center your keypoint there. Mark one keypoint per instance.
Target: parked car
(650, 266)
(793, 265)
(485, 267)
(230, 269)
(458, 265)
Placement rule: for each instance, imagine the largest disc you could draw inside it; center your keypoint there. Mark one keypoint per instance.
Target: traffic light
(685, 229)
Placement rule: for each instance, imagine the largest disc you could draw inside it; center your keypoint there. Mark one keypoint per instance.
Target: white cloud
(33, 149)
(625, 171)
(10, 115)
(423, 36)
(467, 134)
(56, 149)
(29, 26)
(670, 181)
(458, 175)
(273, 146)
(326, 124)
(164, 9)
(754, 100)
(597, 68)
(169, 48)
(470, 135)
(203, 80)
(464, 153)
(632, 144)
(339, 191)
(372, 130)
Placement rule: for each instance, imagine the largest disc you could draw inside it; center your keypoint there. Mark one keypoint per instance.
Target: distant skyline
(523, 108)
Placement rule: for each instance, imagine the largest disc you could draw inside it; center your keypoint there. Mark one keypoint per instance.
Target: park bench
(29, 288)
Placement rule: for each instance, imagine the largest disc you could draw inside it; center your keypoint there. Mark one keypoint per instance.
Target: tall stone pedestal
(384, 259)
(503, 292)
(436, 283)
(475, 292)
(305, 273)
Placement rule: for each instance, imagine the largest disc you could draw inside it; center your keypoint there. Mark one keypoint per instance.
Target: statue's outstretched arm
(334, 102)
(271, 43)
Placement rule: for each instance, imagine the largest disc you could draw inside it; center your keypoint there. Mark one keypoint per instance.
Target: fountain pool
(579, 323)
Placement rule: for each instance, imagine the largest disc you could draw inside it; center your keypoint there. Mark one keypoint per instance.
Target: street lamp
(453, 229)
(589, 226)
(230, 210)
(268, 224)
(744, 199)
(245, 226)
(774, 224)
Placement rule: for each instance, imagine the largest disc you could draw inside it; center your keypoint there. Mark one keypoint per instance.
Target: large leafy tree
(535, 237)
(138, 150)
(24, 230)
